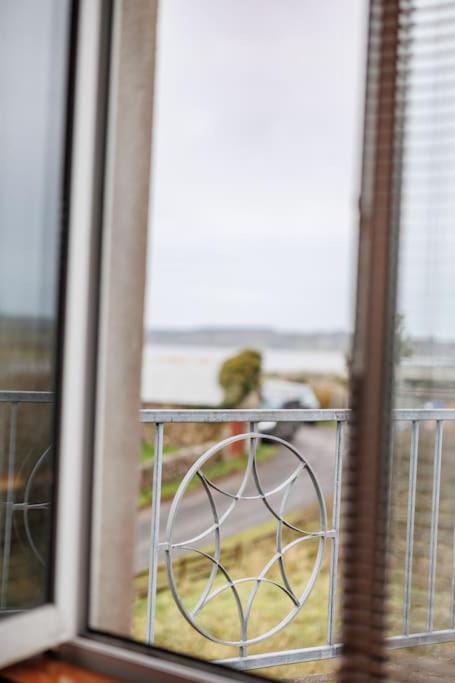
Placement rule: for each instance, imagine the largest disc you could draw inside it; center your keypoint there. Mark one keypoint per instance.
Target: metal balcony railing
(168, 540)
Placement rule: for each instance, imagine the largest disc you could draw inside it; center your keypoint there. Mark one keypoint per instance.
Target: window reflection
(33, 73)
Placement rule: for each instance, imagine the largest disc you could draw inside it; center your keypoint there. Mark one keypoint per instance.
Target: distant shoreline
(270, 338)
(263, 338)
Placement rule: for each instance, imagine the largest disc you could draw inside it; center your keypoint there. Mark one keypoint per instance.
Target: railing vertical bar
(452, 616)
(335, 540)
(252, 447)
(9, 506)
(434, 523)
(2, 437)
(413, 462)
(252, 427)
(155, 533)
(3, 449)
(390, 484)
(252, 443)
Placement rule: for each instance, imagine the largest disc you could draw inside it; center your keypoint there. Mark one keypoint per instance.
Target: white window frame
(63, 625)
(31, 632)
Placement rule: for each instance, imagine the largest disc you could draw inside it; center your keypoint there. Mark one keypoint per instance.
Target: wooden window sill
(46, 669)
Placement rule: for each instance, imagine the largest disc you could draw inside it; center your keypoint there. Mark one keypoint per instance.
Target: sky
(256, 163)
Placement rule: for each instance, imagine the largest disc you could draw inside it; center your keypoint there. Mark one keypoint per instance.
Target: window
(74, 209)
(35, 81)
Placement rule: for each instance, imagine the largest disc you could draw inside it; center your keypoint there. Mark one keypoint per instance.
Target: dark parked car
(279, 394)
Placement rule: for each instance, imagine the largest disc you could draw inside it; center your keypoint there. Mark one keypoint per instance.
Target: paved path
(317, 444)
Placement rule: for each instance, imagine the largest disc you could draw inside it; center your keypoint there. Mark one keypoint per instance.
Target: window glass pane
(421, 543)
(33, 82)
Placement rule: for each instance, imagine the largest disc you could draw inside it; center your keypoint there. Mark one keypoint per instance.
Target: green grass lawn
(245, 555)
(148, 451)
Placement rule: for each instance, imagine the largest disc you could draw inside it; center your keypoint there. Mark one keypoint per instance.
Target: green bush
(240, 375)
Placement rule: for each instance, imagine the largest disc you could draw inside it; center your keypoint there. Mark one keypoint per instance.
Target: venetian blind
(399, 547)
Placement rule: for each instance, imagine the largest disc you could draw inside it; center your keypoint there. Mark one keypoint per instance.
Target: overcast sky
(256, 161)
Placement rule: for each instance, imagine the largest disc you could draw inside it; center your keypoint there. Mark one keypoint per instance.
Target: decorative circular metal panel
(214, 529)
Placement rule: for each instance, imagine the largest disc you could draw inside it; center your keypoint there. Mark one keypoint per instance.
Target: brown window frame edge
(365, 516)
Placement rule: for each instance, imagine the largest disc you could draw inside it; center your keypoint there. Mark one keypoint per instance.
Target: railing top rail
(283, 415)
(423, 414)
(259, 415)
(26, 396)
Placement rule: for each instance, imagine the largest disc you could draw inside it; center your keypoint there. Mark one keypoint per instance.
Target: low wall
(185, 434)
(174, 466)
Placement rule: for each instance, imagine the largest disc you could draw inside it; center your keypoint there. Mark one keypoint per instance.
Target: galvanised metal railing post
(3, 455)
(9, 503)
(335, 539)
(452, 597)
(3, 441)
(410, 525)
(155, 532)
(434, 522)
(390, 485)
(252, 428)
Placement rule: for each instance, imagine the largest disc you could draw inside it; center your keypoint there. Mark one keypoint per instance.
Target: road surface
(316, 444)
